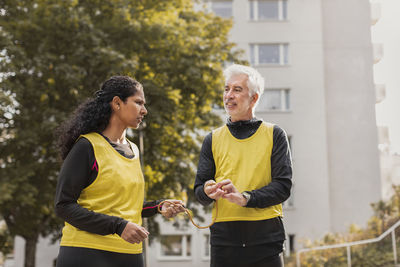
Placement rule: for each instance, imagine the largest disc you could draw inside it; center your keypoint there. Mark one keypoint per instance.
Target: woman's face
(132, 111)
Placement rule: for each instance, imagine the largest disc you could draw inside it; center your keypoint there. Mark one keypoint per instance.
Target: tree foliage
(386, 214)
(6, 241)
(54, 54)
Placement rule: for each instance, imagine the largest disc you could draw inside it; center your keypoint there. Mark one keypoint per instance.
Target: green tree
(56, 53)
(386, 213)
(6, 241)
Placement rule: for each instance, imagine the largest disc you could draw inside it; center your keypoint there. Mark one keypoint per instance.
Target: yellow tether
(188, 212)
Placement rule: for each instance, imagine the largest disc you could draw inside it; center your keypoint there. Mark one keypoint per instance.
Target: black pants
(255, 256)
(87, 257)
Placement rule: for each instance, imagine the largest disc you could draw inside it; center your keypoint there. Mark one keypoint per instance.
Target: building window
(274, 100)
(222, 8)
(291, 243)
(268, 10)
(289, 203)
(206, 247)
(269, 54)
(175, 247)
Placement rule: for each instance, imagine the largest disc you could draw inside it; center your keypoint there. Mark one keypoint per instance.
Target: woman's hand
(134, 233)
(172, 207)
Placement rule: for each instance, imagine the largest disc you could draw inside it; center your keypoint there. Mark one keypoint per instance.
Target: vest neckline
(110, 147)
(245, 139)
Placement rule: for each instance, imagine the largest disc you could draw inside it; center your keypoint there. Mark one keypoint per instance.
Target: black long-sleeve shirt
(78, 171)
(247, 233)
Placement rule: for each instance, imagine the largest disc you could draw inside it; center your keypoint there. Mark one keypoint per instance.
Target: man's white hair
(255, 81)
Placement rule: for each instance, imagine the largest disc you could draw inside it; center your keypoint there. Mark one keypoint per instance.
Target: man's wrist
(246, 196)
(121, 227)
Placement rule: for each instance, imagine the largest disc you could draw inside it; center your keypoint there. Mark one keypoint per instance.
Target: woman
(100, 190)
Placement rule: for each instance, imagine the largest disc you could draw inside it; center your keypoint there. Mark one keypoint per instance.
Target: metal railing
(355, 243)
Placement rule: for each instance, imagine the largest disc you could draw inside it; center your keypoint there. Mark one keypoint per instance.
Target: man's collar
(241, 123)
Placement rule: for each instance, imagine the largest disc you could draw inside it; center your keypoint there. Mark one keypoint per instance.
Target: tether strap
(188, 212)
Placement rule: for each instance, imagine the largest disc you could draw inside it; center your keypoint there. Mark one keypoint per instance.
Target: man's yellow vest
(117, 191)
(247, 163)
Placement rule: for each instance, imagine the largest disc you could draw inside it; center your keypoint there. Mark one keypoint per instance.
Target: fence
(391, 230)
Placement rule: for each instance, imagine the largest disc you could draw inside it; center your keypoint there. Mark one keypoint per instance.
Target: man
(245, 167)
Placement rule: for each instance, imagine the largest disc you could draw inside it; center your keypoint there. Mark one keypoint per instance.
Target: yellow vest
(117, 191)
(247, 163)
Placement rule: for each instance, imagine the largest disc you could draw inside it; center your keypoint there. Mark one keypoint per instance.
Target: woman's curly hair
(94, 114)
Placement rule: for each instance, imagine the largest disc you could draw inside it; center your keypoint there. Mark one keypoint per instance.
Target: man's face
(237, 100)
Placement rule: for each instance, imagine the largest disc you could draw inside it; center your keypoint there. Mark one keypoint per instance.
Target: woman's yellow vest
(117, 191)
(247, 163)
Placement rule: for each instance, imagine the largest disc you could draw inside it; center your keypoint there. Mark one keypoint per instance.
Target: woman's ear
(116, 103)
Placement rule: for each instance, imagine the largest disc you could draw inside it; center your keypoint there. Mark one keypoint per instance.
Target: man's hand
(134, 233)
(213, 190)
(231, 193)
(172, 207)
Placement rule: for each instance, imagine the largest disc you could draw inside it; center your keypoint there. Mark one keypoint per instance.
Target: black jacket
(250, 233)
(78, 171)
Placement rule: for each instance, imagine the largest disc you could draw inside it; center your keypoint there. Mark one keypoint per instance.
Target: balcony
(378, 52)
(375, 12)
(380, 92)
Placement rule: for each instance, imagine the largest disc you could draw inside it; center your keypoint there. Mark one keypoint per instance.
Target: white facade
(187, 246)
(46, 253)
(354, 178)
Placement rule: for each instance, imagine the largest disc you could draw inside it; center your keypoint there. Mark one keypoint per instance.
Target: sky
(387, 71)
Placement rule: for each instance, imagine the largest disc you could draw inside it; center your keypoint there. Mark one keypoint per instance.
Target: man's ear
(254, 99)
